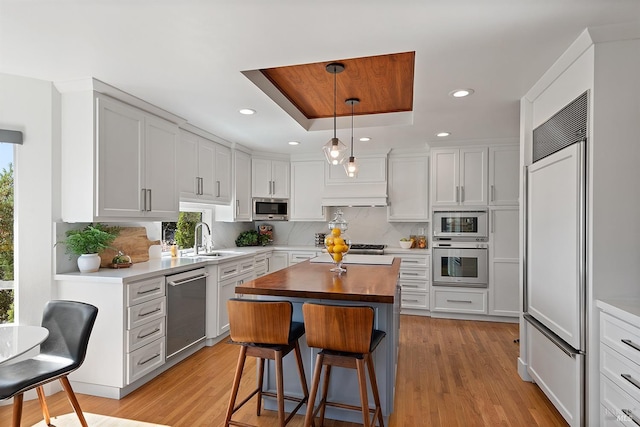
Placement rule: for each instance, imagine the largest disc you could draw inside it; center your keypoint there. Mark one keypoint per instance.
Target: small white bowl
(405, 244)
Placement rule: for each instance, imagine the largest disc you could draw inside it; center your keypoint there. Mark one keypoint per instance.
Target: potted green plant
(87, 243)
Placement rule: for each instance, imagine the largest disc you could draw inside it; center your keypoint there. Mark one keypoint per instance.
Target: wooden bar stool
(264, 330)
(347, 338)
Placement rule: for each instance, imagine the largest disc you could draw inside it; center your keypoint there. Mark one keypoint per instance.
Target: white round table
(18, 339)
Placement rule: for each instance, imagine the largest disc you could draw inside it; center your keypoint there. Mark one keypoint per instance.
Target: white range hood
(369, 188)
(355, 201)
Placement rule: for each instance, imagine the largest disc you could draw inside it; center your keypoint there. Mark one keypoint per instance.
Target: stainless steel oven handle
(190, 279)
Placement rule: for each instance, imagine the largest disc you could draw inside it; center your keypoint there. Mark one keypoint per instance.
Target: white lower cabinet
(301, 256)
(619, 367)
(221, 284)
(458, 300)
(414, 280)
(128, 337)
(504, 283)
(279, 260)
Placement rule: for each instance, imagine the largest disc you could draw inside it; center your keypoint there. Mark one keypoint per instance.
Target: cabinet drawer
(296, 257)
(417, 274)
(621, 336)
(414, 300)
(144, 360)
(417, 285)
(460, 301)
(617, 405)
(622, 371)
(414, 261)
(245, 266)
(144, 334)
(226, 271)
(146, 312)
(145, 290)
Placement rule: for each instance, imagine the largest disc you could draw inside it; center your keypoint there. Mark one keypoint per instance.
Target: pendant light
(351, 167)
(335, 150)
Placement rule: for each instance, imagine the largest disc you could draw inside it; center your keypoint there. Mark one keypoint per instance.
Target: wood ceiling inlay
(383, 83)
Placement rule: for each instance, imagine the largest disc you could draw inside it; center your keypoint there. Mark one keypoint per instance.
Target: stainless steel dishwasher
(186, 310)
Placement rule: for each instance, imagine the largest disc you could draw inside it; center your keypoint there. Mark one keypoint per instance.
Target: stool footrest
(301, 401)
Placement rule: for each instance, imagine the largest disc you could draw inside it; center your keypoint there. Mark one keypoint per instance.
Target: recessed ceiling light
(247, 111)
(365, 139)
(294, 143)
(461, 93)
(443, 134)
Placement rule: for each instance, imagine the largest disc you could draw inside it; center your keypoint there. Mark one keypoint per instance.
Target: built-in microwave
(270, 209)
(460, 225)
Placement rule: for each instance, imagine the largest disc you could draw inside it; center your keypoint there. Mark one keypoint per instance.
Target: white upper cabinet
(307, 186)
(204, 170)
(408, 187)
(459, 176)
(270, 178)
(118, 160)
(240, 208)
(504, 178)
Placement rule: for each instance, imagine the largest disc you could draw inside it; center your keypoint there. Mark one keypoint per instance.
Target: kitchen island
(362, 284)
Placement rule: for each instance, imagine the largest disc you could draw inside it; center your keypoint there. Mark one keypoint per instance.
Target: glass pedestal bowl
(337, 247)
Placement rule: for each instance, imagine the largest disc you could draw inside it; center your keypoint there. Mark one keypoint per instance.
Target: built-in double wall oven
(460, 249)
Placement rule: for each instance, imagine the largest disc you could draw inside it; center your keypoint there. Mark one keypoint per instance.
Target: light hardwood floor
(450, 373)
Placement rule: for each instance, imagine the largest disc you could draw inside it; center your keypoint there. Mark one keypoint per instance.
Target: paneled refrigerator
(555, 261)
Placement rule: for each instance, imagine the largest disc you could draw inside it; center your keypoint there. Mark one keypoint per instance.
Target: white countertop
(627, 309)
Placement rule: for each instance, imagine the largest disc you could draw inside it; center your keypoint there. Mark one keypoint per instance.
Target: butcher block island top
(361, 282)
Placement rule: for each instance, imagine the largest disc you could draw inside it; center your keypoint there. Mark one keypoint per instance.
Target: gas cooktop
(367, 249)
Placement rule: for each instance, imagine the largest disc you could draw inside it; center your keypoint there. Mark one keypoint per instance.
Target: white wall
(32, 106)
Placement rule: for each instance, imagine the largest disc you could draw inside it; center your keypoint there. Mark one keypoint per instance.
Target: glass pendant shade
(351, 167)
(335, 151)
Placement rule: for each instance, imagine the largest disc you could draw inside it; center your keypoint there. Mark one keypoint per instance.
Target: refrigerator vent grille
(566, 127)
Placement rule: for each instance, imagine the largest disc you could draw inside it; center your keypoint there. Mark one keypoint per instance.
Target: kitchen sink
(217, 254)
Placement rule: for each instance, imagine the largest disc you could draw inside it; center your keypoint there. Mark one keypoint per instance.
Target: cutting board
(132, 241)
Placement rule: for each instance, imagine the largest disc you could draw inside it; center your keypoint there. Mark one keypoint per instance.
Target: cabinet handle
(459, 300)
(631, 416)
(406, 273)
(410, 261)
(237, 207)
(462, 194)
(405, 285)
(150, 312)
(149, 194)
(201, 185)
(149, 359)
(229, 271)
(632, 380)
(410, 300)
(218, 188)
(149, 334)
(457, 194)
(150, 290)
(143, 199)
(631, 344)
(492, 193)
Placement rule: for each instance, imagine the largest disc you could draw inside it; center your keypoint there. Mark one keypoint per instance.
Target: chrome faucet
(195, 235)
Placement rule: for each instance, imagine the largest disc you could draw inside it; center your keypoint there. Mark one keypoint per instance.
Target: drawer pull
(229, 271)
(631, 380)
(460, 300)
(143, 362)
(406, 285)
(410, 300)
(149, 334)
(151, 312)
(150, 290)
(631, 416)
(410, 261)
(631, 344)
(409, 274)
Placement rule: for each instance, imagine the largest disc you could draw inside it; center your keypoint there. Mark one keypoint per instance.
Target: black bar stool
(264, 330)
(347, 338)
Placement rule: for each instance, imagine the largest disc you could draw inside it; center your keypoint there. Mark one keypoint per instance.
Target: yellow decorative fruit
(338, 241)
(339, 249)
(328, 241)
(336, 232)
(337, 257)
(330, 248)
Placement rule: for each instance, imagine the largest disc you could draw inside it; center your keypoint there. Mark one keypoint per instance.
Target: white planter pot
(89, 263)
